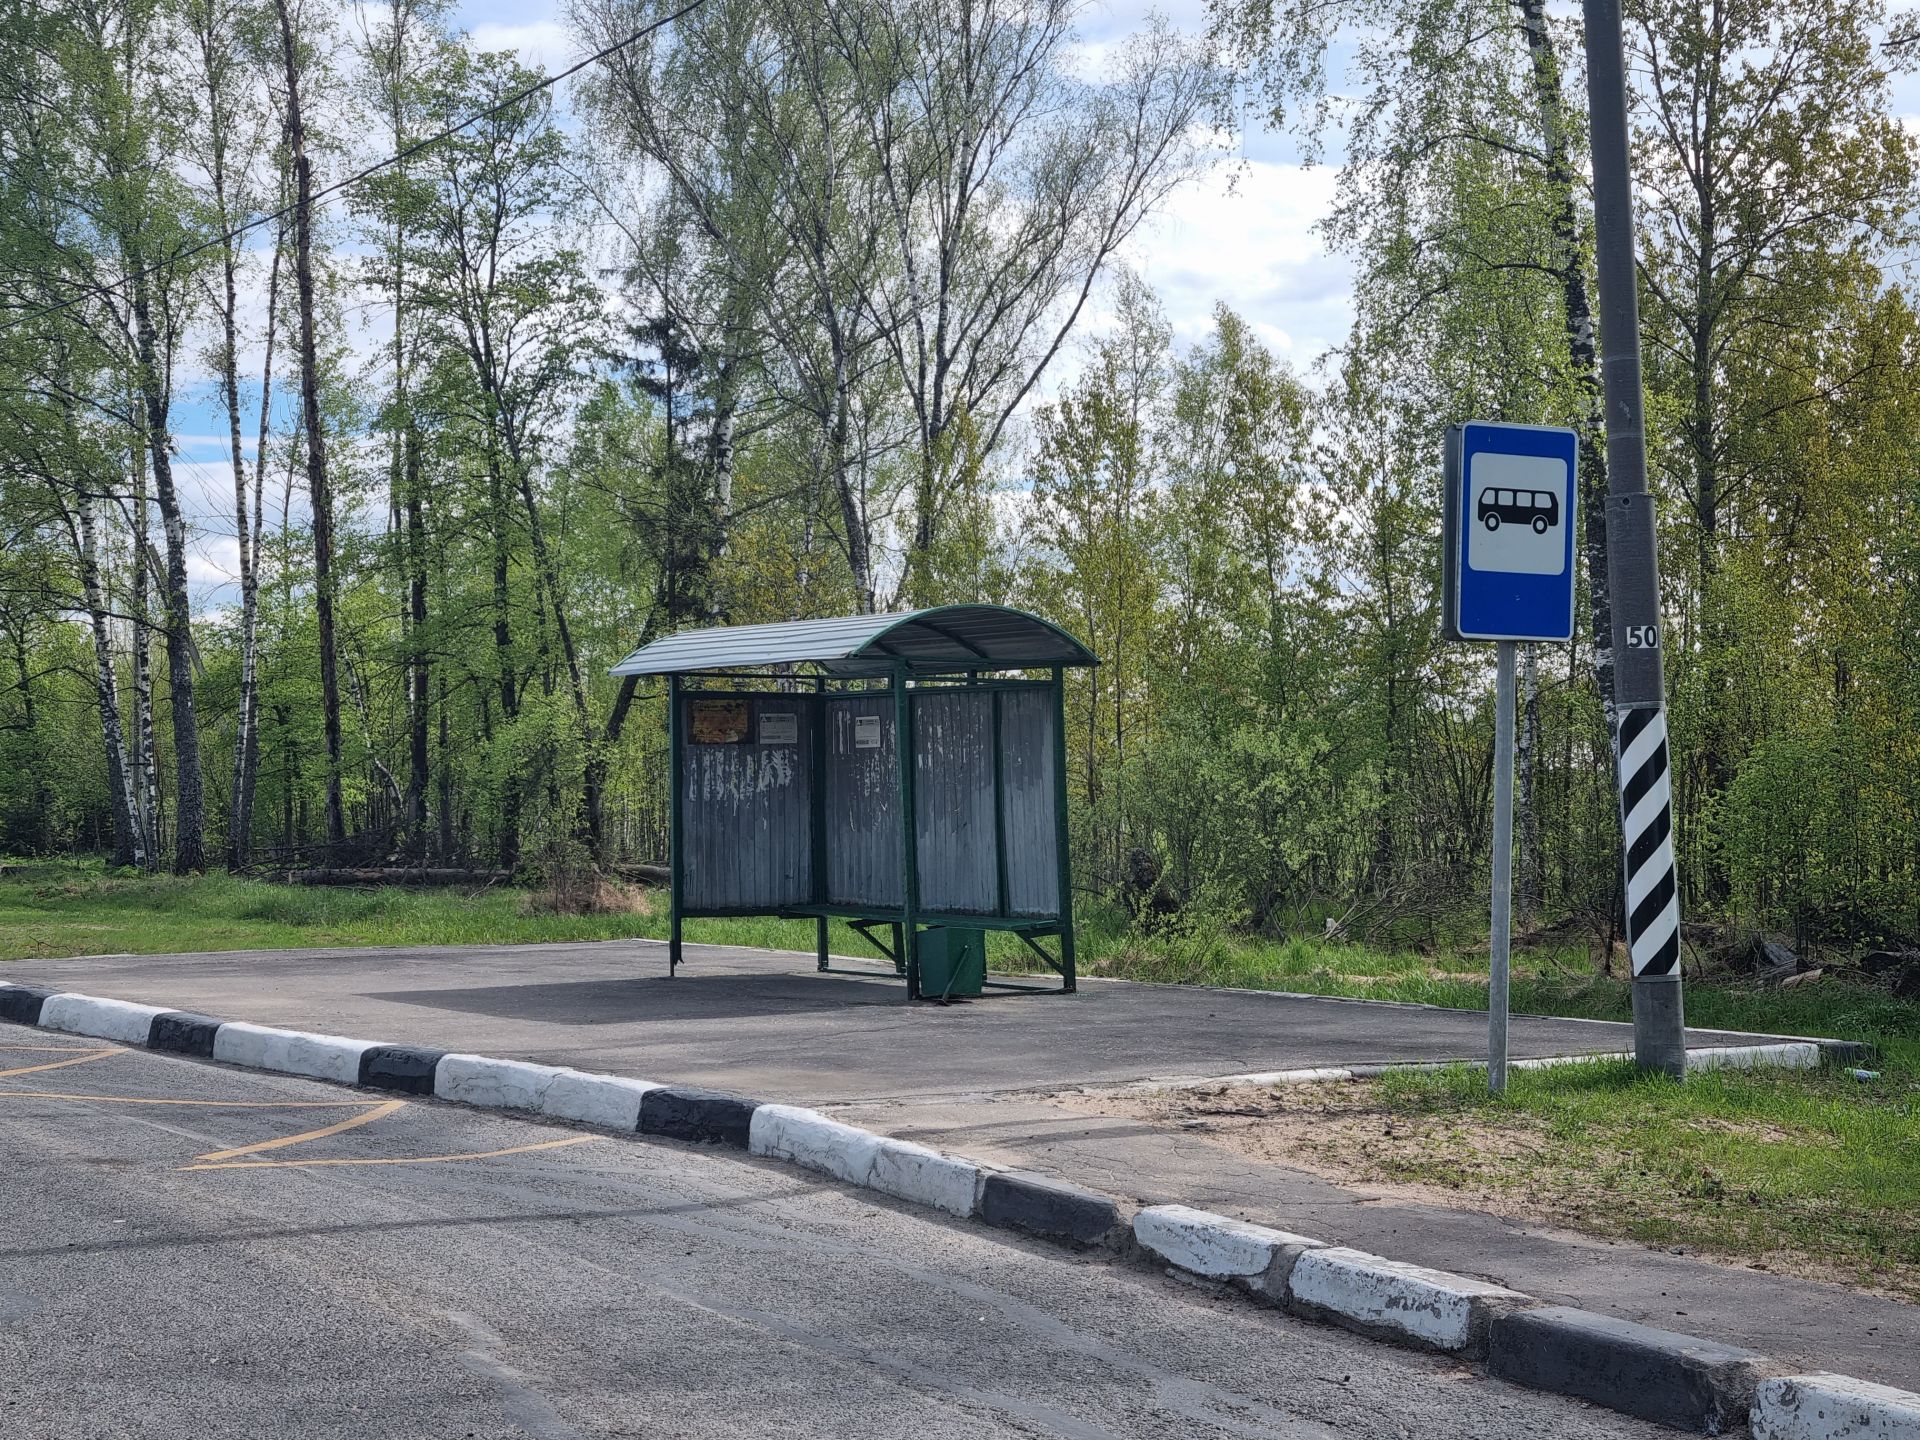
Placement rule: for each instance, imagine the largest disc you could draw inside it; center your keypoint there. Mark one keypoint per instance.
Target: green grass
(50, 909)
(1814, 1172)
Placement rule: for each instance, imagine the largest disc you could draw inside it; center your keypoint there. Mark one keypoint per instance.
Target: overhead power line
(396, 158)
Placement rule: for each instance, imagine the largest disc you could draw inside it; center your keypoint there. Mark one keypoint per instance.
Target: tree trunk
(1570, 261)
(318, 493)
(246, 760)
(145, 773)
(129, 839)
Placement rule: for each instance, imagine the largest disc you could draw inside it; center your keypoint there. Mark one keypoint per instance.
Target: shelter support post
(676, 861)
(819, 817)
(1063, 849)
(909, 829)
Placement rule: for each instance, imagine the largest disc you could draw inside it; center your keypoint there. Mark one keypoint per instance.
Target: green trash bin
(952, 962)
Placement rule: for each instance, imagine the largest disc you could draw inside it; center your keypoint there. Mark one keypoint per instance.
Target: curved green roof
(941, 640)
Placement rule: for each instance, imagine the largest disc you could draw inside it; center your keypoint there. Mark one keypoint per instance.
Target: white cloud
(1245, 235)
(545, 43)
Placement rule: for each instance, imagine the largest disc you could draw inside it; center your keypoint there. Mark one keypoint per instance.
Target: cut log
(645, 874)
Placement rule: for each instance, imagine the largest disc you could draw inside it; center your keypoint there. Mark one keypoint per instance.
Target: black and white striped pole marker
(1633, 575)
(1646, 819)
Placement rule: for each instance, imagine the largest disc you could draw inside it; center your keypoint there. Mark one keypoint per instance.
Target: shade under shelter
(905, 773)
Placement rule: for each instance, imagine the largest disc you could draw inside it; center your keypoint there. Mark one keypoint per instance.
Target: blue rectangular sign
(1508, 535)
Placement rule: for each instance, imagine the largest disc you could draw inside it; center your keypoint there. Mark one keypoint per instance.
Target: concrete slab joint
(1215, 1246)
(1429, 1308)
(290, 1052)
(1833, 1407)
(119, 1020)
(1658, 1375)
(810, 1140)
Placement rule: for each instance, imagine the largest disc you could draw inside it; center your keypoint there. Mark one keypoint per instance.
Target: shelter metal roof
(944, 639)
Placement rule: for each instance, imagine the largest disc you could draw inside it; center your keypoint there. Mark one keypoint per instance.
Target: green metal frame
(909, 919)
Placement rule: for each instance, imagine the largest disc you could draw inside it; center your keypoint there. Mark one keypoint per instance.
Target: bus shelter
(905, 773)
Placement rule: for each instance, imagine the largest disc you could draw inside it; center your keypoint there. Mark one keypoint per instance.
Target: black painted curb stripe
(21, 1003)
(184, 1033)
(1050, 1209)
(685, 1112)
(1657, 1375)
(407, 1068)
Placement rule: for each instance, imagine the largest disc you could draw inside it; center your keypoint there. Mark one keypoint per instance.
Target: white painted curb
(493, 1084)
(291, 1052)
(1795, 1056)
(587, 1099)
(1833, 1407)
(811, 1140)
(913, 1172)
(1431, 1307)
(1213, 1245)
(119, 1020)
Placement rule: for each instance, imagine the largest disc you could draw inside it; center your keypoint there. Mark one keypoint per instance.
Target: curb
(1780, 1054)
(1677, 1380)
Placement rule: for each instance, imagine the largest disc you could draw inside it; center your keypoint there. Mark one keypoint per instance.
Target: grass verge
(1807, 1173)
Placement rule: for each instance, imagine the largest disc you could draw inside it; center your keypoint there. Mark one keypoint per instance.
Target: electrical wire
(339, 185)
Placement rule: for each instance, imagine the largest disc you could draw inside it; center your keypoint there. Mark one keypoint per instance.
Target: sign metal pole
(1502, 870)
(1633, 577)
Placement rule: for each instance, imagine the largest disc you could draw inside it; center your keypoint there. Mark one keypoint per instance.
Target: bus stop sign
(1507, 532)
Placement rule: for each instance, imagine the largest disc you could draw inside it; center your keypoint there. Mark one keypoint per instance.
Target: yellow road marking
(410, 1160)
(213, 1104)
(62, 1064)
(365, 1117)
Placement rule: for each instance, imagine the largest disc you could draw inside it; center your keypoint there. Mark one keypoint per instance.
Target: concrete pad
(605, 1100)
(812, 1141)
(1389, 1297)
(913, 1172)
(291, 1052)
(767, 1023)
(1833, 1407)
(1203, 1243)
(119, 1020)
(1658, 1375)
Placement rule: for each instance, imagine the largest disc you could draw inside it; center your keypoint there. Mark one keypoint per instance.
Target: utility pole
(1640, 741)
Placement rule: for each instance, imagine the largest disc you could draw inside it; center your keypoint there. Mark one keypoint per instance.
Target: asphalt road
(765, 1023)
(190, 1250)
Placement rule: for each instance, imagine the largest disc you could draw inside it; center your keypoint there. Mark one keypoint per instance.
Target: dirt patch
(1517, 1166)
